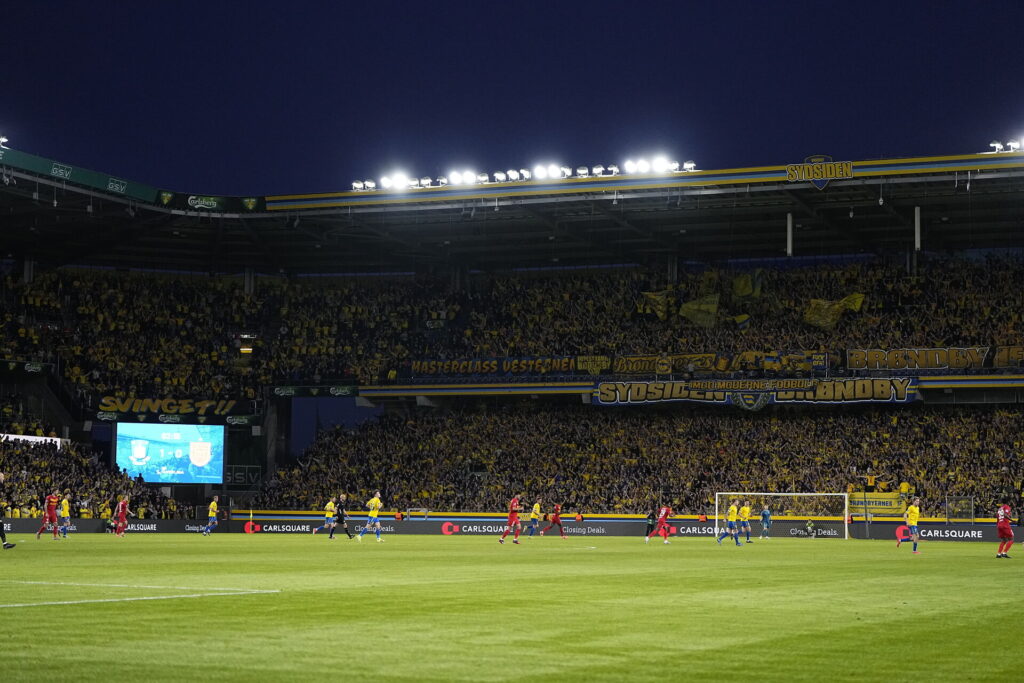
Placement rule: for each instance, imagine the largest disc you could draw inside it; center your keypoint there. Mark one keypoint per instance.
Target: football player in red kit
(556, 518)
(513, 521)
(50, 513)
(1003, 531)
(121, 514)
(661, 527)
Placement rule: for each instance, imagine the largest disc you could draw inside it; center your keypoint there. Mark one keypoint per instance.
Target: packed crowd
(33, 470)
(16, 417)
(630, 460)
(147, 334)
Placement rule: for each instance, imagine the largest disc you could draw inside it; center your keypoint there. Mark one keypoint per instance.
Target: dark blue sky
(262, 98)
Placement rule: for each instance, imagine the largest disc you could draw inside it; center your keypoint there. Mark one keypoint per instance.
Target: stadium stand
(149, 334)
(631, 460)
(38, 468)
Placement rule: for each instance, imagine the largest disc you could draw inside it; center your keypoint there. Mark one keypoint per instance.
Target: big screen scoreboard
(171, 454)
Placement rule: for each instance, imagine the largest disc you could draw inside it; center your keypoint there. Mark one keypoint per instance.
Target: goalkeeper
(766, 521)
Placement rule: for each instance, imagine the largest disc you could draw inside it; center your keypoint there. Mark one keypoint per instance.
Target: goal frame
(740, 494)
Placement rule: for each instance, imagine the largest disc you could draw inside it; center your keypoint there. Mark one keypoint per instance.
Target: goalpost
(832, 508)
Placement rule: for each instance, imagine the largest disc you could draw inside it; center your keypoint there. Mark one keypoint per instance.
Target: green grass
(463, 608)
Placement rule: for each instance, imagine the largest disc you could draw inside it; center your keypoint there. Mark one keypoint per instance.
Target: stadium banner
(178, 201)
(663, 364)
(496, 366)
(754, 394)
(18, 367)
(930, 531)
(888, 503)
(30, 525)
(59, 443)
(937, 358)
(320, 390)
(594, 365)
(79, 176)
(175, 410)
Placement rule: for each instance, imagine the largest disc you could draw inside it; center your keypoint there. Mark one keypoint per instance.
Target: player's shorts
(330, 520)
(767, 525)
(512, 519)
(730, 525)
(744, 525)
(913, 529)
(556, 519)
(534, 520)
(372, 520)
(1004, 531)
(50, 517)
(66, 521)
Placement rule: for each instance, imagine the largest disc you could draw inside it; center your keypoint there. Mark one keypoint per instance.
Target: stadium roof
(57, 214)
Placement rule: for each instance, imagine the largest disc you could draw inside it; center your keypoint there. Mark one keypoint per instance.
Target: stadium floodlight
(689, 165)
(400, 181)
(385, 182)
(482, 177)
(643, 166)
(525, 174)
(3, 142)
(469, 177)
(442, 180)
(597, 170)
(660, 164)
(513, 174)
(412, 182)
(582, 171)
(553, 171)
(456, 177)
(500, 177)
(1014, 145)
(673, 166)
(357, 185)
(613, 169)
(369, 185)
(540, 172)
(425, 182)
(996, 146)
(566, 171)
(630, 166)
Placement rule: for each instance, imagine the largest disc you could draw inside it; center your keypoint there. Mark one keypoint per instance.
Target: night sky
(261, 98)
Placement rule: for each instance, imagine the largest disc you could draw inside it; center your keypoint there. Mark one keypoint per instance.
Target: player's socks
(516, 538)
(507, 529)
(722, 536)
(1006, 548)
(748, 537)
(915, 546)
(378, 533)
(332, 533)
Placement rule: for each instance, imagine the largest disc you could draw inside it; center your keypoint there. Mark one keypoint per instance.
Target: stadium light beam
(540, 172)
(469, 177)
(660, 164)
(553, 171)
(385, 182)
(630, 166)
(643, 166)
(456, 177)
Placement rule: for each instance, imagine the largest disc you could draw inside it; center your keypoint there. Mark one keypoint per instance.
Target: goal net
(829, 513)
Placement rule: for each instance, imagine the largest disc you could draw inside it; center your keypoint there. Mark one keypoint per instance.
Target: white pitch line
(154, 597)
(128, 585)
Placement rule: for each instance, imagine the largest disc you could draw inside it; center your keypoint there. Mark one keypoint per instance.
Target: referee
(342, 516)
(3, 497)
(651, 517)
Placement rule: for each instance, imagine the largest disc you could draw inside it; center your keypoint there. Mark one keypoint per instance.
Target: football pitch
(232, 607)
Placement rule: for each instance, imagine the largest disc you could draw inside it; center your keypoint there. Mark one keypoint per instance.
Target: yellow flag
(702, 312)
